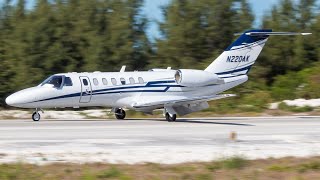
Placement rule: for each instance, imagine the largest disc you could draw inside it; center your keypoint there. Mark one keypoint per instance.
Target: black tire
(120, 114)
(171, 118)
(36, 116)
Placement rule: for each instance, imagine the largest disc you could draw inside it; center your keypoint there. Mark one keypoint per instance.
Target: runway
(155, 140)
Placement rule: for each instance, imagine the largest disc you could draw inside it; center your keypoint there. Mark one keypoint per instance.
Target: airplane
(181, 91)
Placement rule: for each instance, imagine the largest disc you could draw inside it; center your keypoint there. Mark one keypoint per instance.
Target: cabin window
(67, 81)
(56, 81)
(114, 81)
(140, 80)
(85, 82)
(123, 81)
(95, 81)
(104, 81)
(131, 80)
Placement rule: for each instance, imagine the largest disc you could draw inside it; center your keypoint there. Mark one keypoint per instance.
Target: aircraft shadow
(197, 121)
(210, 122)
(206, 121)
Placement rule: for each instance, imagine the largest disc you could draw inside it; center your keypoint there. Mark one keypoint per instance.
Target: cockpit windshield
(56, 81)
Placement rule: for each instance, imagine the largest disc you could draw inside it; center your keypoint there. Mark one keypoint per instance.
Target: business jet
(181, 91)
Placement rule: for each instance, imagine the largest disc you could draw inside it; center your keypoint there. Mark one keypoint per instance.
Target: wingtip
(305, 34)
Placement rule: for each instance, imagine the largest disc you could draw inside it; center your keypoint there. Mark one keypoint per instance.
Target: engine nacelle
(194, 78)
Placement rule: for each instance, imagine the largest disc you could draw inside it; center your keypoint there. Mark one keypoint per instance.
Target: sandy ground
(154, 140)
(303, 102)
(58, 114)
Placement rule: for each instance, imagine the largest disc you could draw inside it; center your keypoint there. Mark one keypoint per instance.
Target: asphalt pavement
(156, 140)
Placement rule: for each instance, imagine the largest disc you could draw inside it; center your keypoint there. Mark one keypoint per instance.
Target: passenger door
(86, 90)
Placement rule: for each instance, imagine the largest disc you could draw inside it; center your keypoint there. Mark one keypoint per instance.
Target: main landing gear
(120, 113)
(170, 117)
(169, 113)
(36, 115)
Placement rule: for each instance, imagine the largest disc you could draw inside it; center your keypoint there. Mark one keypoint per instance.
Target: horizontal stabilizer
(274, 34)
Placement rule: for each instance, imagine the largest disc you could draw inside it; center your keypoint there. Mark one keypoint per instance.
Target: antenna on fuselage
(123, 68)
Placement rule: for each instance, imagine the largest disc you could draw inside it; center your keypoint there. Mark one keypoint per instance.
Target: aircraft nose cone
(23, 98)
(12, 100)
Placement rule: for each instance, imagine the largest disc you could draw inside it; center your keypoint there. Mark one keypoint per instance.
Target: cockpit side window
(56, 81)
(67, 81)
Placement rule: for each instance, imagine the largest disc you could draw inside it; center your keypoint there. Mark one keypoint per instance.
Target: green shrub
(203, 177)
(311, 86)
(214, 166)
(229, 163)
(310, 166)
(88, 176)
(110, 173)
(223, 106)
(17, 171)
(285, 86)
(279, 168)
(234, 163)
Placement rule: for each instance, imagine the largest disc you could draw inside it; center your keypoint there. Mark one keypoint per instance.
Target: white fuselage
(114, 89)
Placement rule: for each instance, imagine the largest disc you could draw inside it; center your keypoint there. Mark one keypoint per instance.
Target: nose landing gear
(120, 113)
(36, 115)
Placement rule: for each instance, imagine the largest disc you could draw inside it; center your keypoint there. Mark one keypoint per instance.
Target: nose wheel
(36, 115)
(120, 113)
(171, 117)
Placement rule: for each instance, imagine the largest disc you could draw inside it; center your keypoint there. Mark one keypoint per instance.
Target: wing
(181, 101)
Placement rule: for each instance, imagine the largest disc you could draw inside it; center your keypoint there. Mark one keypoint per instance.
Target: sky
(154, 14)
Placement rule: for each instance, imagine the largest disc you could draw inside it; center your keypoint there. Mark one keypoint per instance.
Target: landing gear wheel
(171, 117)
(36, 116)
(120, 114)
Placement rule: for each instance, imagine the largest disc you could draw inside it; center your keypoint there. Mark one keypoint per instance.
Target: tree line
(101, 35)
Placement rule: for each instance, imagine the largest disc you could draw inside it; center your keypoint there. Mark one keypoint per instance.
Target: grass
(227, 168)
(236, 162)
(110, 173)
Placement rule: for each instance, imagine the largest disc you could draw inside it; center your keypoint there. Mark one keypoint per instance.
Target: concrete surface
(155, 140)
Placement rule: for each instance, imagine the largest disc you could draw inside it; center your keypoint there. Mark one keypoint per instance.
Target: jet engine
(194, 78)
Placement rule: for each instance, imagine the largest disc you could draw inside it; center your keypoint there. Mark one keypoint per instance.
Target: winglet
(123, 68)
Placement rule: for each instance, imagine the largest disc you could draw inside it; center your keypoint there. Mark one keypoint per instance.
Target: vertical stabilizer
(238, 58)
